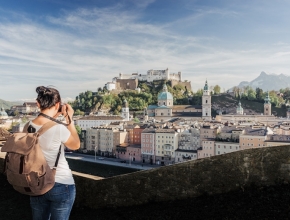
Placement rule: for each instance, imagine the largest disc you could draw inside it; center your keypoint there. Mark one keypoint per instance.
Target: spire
(267, 98)
(125, 103)
(205, 86)
(165, 88)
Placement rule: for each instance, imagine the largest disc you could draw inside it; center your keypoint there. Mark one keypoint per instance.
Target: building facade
(166, 142)
(148, 145)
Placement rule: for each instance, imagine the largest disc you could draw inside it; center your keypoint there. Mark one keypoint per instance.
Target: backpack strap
(53, 119)
(26, 127)
(45, 127)
(57, 158)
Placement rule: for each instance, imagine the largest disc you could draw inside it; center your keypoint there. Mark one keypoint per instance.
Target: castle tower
(167, 74)
(267, 105)
(180, 77)
(240, 110)
(125, 111)
(206, 103)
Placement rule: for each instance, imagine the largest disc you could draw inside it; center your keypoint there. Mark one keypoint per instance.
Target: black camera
(60, 107)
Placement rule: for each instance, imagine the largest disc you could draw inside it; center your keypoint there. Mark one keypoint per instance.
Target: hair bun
(47, 97)
(43, 90)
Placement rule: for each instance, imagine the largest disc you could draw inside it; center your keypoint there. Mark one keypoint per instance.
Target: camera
(60, 107)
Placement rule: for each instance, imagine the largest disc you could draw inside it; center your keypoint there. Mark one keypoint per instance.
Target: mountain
(7, 104)
(268, 82)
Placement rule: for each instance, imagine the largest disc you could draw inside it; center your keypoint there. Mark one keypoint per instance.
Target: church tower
(267, 105)
(206, 103)
(125, 111)
(240, 110)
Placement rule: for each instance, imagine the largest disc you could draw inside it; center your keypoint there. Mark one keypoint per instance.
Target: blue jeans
(56, 204)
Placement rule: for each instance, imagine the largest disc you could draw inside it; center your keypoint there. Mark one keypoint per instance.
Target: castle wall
(123, 84)
(153, 75)
(185, 84)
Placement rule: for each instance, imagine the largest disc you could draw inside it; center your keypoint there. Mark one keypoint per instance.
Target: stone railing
(207, 176)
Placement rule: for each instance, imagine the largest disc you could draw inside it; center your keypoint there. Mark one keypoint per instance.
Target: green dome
(165, 94)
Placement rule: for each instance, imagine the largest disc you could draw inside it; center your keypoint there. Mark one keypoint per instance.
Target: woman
(57, 202)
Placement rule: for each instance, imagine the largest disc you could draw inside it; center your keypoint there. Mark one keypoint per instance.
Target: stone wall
(124, 84)
(185, 84)
(219, 174)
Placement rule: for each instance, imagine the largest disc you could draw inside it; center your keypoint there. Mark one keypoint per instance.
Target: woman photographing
(58, 201)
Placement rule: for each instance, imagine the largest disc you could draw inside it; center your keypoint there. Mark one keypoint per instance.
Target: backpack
(25, 165)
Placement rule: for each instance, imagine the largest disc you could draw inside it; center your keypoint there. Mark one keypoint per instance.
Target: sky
(80, 45)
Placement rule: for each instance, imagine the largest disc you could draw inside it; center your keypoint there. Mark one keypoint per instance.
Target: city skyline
(81, 45)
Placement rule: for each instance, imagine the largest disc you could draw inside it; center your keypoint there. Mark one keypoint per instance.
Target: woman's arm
(73, 141)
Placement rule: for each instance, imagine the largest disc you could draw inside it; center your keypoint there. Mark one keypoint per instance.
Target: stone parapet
(208, 176)
(214, 175)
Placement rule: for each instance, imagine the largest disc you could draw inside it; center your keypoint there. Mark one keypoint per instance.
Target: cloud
(85, 48)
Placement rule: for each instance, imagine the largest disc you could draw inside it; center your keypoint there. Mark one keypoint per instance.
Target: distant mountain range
(268, 82)
(7, 104)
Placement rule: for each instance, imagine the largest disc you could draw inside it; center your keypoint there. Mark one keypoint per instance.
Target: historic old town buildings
(194, 134)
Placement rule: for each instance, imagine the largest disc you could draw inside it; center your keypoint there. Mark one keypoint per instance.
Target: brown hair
(47, 97)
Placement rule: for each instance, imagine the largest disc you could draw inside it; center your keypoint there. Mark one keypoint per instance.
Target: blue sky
(79, 45)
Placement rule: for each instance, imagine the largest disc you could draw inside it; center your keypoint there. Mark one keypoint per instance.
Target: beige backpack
(25, 165)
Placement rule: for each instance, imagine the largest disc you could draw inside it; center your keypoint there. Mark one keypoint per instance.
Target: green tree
(24, 119)
(251, 94)
(136, 120)
(259, 94)
(16, 113)
(78, 112)
(79, 131)
(217, 89)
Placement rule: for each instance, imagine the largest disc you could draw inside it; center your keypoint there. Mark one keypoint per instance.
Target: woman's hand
(67, 110)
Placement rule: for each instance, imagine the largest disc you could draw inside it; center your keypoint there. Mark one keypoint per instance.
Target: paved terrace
(249, 202)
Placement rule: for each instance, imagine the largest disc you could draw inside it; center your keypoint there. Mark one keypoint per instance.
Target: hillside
(112, 102)
(228, 105)
(7, 104)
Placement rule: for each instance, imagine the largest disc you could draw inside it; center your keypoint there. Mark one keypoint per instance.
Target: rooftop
(160, 130)
(101, 117)
(180, 107)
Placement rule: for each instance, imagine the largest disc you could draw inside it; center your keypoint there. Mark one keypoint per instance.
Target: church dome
(165, 95)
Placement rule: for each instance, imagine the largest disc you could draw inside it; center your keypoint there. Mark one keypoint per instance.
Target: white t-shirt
(49, 142)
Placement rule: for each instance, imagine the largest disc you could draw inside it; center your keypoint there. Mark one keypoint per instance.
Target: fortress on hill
(130, 81)
(153, 75)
